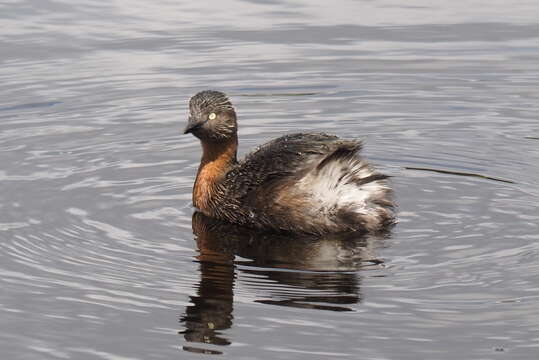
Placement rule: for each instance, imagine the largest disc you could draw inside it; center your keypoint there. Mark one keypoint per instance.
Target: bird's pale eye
(212, 116)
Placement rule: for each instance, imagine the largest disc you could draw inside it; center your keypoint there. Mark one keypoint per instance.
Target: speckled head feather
(211, 116)
(209, 100)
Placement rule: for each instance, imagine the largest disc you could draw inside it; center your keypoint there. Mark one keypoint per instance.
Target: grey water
(100, 257)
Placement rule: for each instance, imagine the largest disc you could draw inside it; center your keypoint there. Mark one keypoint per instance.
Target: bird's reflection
(315, 273)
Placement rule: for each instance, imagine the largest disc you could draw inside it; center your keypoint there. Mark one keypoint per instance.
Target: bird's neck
(217, 159)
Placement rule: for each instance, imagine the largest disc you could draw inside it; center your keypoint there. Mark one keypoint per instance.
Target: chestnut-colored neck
(217, 158)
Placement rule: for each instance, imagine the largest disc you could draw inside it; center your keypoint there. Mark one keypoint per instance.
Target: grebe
(310, 183)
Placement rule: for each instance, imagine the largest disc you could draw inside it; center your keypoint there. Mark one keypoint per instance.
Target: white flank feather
(335, 187)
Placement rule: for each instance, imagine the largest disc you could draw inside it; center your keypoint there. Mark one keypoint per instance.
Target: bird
(310, 183)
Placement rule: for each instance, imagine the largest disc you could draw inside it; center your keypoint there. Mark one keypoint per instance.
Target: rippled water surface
(100, 257)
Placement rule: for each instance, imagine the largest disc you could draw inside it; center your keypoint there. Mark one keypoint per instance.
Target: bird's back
(313, 183)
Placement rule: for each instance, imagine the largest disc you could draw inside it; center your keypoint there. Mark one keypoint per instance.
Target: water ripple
(98, 258)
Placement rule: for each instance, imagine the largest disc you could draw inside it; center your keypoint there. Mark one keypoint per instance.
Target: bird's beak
(192, 124)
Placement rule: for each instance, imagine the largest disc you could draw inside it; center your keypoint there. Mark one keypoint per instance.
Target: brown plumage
(309, 182)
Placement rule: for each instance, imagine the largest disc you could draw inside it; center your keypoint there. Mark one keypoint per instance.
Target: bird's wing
(285, 158)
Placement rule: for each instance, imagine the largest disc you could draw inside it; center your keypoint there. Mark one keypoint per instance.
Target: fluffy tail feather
(350, 193)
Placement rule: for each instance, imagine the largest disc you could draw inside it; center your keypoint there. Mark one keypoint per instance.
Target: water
(98, 259)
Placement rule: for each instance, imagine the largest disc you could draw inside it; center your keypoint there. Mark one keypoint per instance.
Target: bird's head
(211, 117)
